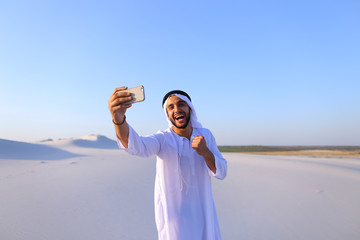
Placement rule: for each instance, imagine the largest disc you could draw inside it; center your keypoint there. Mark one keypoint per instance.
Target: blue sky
(259, 72)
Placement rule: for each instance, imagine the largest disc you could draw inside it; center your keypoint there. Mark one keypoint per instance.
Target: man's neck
(183, 132)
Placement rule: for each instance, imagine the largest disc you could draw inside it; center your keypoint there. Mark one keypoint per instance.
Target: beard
(185, 124)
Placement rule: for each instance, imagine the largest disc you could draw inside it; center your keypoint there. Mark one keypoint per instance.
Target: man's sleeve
(220, 161)
(139, 145)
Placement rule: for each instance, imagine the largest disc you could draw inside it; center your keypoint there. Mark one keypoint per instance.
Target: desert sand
(86, 188)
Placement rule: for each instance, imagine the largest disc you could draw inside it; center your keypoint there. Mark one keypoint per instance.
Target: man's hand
(199, 144)
(118, 109)
(116, 106)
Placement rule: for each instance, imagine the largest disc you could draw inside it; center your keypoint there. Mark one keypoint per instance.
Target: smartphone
(138, 94)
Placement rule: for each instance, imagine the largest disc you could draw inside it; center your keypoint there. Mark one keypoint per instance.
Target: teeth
(178, 117)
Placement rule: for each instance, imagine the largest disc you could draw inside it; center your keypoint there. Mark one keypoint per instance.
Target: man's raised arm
(118, 109)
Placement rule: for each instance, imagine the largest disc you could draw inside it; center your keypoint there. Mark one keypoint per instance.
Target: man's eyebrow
(181, 101)
(171, 104)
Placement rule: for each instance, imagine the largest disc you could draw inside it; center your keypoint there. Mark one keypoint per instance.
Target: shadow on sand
(31, 151)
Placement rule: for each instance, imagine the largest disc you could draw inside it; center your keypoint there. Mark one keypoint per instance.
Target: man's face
(178, 112)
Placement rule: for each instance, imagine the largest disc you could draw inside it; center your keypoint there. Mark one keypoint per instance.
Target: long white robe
(184, 204)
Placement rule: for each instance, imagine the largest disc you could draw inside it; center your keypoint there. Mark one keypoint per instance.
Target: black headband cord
(174, 92)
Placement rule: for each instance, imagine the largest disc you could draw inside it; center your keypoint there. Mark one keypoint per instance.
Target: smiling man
(187, 158)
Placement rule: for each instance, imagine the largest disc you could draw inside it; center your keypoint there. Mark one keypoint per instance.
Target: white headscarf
(193, 118)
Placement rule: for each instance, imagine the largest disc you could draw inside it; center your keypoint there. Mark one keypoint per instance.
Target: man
(187, 157)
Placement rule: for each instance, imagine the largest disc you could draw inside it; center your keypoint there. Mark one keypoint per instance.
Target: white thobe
(184, 204)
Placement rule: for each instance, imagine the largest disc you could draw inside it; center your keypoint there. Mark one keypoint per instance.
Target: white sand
(85, 189)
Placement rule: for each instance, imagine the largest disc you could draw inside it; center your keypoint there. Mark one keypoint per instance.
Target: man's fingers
(123, 98)
(198, 138)
(119, 104)
(119, 89)
(119, 107)
(116, 94)
(122, 94)
(198, 142)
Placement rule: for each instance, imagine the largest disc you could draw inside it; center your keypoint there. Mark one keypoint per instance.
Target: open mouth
(180, 120)
(179, 117)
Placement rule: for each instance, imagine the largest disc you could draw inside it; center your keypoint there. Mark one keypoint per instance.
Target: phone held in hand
(138, 94)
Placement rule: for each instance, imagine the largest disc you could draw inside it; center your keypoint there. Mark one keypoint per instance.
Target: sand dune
(102, 193)
(31, 151)
(89, 141)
